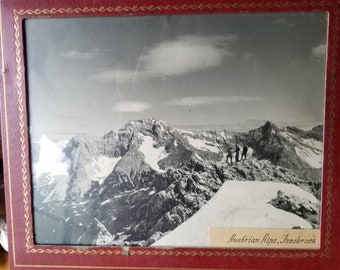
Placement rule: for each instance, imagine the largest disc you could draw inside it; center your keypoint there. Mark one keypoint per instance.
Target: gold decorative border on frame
(18, 15)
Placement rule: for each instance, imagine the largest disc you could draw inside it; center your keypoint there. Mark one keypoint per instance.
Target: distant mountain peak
(270, 124)
(316, 132)
(109, 134)
(269, 127)
(145, 125)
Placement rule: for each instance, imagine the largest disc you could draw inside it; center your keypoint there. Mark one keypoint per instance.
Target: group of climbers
(230, 153)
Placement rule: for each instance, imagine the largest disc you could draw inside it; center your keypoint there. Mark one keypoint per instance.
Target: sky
(92, 75)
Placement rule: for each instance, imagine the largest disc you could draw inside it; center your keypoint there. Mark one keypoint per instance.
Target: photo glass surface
(150, 130)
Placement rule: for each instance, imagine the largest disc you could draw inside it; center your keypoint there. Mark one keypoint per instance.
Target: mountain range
(136, 185)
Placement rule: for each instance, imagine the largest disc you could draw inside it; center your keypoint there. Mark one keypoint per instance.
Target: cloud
(182, 55)
(186, 54)
(319, 51)
(115, 75)
(208, 100)
(283, 22)
(131, 106)
(74, 54)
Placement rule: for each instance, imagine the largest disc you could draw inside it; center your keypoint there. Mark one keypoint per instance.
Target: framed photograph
(171, 134)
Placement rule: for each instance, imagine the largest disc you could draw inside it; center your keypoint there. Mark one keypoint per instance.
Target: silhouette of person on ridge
(237, 151)
(244, 152)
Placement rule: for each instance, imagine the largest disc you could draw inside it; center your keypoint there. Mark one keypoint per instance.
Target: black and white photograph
(149, 130)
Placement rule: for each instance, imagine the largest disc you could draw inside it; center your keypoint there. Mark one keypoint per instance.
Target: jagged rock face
(135, 185)
(97, 234)
(316, 133)
(279, 144)
(83, 151)
(158, 204)
(267, 143)
(302, 207)
(126, 144)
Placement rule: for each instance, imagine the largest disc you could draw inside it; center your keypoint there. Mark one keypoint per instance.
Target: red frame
(25, 255)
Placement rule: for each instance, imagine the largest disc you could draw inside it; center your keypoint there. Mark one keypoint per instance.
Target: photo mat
(151, 130)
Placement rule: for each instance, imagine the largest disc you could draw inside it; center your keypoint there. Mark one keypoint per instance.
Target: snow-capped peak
(52, 160)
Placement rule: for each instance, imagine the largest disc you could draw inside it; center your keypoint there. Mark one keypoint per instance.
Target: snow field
(237, 204)
(203, 145)
(312, 154)
(152, 155)
(101, 167)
